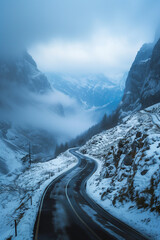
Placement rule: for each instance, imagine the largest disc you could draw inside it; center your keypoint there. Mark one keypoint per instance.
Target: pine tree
(57, 150)
(66, 146)
(103, 123)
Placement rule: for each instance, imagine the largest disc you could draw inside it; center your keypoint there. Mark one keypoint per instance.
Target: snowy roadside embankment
(15, 195)
(127, 181)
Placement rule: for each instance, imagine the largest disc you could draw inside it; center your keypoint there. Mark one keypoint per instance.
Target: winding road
(67, 213)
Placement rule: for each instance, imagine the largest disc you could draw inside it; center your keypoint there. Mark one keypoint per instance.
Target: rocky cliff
(143, 82)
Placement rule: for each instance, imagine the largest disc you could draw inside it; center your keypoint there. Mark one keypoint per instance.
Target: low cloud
(54, 112)
(27, 23)
(80, 36)
(102, 52)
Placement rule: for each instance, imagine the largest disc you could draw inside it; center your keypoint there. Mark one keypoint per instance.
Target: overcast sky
(78, 36)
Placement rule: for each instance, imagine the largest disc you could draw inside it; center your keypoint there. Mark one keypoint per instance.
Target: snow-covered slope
(143, 82)
(128, 180)
(22, 87)
(10, 157)
(95, 92)
(16, 192)
(30, 112)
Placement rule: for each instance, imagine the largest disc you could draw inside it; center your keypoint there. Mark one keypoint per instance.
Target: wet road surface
(67, 213)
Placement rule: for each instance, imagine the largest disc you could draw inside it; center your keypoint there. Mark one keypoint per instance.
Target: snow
(89, 91)
(146, 60)
(10, 157)
(144, 221)
(120, 187)
(109, 186)
(16, 190)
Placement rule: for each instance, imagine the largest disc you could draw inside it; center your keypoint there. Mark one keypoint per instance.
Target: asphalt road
(67, 213)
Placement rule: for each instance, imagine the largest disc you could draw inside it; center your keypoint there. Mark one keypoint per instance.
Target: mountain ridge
(142, 87)
(92, 91)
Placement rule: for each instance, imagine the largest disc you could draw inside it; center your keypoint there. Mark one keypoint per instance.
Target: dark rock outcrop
(23, 71)
(143, 82)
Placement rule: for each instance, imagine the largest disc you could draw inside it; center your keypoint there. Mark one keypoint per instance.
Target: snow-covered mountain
(21, 86)
(18, 189)
(22, 71)
(143, 82)
(127, 182)
(31, 112)
(95, 93)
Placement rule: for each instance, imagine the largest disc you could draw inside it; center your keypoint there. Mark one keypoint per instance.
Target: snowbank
(16, 190)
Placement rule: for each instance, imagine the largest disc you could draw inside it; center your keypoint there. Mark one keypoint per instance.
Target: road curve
(67, 213)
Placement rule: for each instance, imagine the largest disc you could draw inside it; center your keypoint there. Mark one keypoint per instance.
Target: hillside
(95, 93)
(22, 88)
(128, 179)
(26, 102)
(19, 189)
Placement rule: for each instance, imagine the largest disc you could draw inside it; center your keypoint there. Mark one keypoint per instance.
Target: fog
(53, 112)
(76, 36)
(69, 36)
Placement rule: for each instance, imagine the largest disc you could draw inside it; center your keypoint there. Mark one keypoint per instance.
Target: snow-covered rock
(128, 180)
(94, 92)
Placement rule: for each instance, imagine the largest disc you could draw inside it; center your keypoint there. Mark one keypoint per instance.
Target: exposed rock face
(22, 71)
(143, 82)
(151, 87)
(22, 87)
(129, 153)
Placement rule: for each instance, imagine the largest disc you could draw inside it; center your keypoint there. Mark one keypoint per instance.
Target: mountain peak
(143, 81)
